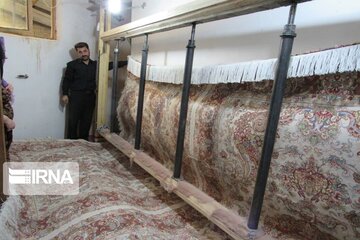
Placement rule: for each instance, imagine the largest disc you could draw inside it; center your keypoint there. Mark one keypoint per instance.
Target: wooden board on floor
(229, 221)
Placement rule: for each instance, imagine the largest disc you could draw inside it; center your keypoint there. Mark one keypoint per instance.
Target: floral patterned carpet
(313, 190)
(116, 200)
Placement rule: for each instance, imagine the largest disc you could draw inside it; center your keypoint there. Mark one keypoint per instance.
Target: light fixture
(114, 6)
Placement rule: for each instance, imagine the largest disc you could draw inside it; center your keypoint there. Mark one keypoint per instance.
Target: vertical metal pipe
(273, 119)
(114, 122)
(184, 103)
(141, 93)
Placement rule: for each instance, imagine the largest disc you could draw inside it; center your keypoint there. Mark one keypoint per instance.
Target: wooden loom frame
(185, 15)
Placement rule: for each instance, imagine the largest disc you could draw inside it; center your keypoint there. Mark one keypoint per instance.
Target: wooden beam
(103, 71)
(53, 19)
(199, 11)
(228, 221)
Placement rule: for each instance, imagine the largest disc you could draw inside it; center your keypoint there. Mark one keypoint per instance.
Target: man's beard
(85, 58)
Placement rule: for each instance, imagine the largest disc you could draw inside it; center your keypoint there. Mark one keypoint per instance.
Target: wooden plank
(44, 4)
(228, 221)
(41, 17)
(199, 11)
(30, 17)
(53, 20)
(103, 71)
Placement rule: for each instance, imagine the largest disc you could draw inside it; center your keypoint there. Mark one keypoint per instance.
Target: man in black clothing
(79, 87)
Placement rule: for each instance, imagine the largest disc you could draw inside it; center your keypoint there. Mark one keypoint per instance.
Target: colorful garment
(9, 112)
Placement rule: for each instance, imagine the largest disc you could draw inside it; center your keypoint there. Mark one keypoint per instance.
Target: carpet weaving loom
(313, 187)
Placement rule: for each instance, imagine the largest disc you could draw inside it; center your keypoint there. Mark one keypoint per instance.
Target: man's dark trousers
(81, 109)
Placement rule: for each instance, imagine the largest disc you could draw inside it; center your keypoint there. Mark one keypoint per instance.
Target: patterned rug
(313, 189)
(116, 200)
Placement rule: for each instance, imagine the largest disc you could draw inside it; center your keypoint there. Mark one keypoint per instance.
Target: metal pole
(141, 93)
(114, 122)
(184, 103)
(273, 119)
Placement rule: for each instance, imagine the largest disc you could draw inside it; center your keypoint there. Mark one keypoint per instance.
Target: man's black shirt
(82, 77)
(79, 76)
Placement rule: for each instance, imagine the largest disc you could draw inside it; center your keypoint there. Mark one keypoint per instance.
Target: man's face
(83, 53)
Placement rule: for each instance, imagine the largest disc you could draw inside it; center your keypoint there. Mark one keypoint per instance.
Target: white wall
(320, 24)
(38, 113)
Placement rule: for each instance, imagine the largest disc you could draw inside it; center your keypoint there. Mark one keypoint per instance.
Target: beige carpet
(116, 201)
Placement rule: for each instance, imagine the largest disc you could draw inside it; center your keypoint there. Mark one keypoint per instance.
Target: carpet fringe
(343, 59)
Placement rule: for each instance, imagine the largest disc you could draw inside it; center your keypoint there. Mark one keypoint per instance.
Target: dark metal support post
(114, 127)
(141, 93)
(273, 119)
(184, 103)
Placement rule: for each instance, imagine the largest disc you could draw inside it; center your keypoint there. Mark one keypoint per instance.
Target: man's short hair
(81, 45)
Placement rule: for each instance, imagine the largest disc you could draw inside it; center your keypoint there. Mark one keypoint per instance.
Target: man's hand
(65, 99)
(9, 123)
